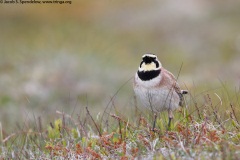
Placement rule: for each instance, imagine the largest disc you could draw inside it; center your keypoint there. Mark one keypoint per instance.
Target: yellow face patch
(148, 67)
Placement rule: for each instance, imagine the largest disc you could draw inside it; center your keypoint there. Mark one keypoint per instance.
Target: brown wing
(174, 85)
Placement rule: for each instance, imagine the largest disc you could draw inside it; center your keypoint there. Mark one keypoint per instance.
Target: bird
(157, 88)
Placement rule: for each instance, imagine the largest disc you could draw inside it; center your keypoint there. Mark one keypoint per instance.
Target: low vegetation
(203, 133)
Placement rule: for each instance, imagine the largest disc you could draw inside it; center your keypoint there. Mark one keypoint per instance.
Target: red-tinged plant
(79, 149)
(93, 153)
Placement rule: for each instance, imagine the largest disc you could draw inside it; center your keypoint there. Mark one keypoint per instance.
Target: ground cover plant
(209, 130)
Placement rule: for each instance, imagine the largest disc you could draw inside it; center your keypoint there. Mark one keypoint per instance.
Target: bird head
(149, 62)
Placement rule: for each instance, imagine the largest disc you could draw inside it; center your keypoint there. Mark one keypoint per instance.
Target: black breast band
(148, 75)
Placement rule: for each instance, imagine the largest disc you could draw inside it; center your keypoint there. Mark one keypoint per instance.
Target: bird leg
(170, 116)
(154, 122)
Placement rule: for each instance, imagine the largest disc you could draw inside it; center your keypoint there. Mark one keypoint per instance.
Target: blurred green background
(64, 57)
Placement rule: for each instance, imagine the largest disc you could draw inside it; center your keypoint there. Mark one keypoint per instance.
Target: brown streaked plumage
(156, 87)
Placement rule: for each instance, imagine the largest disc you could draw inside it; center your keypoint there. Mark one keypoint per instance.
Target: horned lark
(156, 87)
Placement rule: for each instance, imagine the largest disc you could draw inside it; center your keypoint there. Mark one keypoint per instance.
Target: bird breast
(154, 97)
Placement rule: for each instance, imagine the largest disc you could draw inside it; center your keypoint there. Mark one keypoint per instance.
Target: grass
(200, 131)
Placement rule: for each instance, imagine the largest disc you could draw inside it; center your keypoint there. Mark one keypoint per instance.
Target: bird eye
(157, 64)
